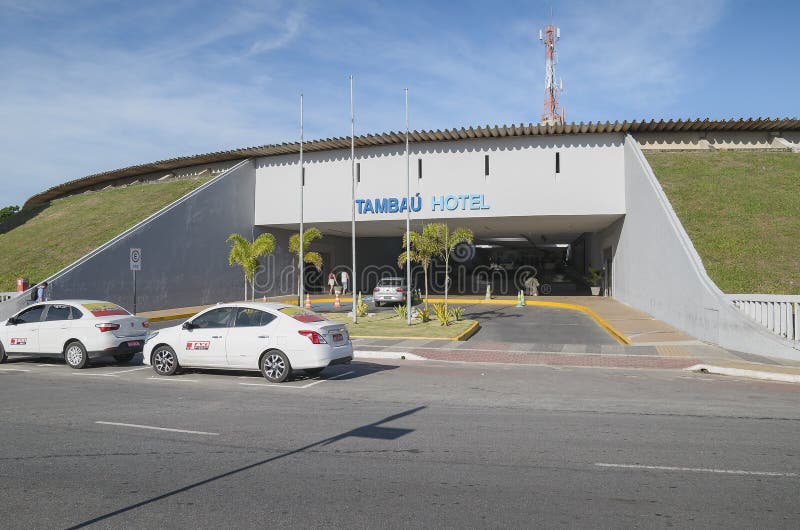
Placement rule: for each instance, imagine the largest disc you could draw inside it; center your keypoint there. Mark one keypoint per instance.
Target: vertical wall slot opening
(303, 177)
(486, 165)
(419, 168)
(358, 171)
(558, 162)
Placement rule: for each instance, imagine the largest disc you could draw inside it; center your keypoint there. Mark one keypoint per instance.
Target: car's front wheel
(164, 360)
(3, 355)
(275, 366)
(75, 355)
(124, 358)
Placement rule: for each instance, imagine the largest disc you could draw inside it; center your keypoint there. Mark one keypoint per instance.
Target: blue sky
(89, 86)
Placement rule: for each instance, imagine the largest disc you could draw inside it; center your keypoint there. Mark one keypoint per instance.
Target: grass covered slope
(40, 241)
(742, 211)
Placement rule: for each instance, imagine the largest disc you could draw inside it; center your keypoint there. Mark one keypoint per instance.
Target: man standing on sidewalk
(41, 292)
(345, 281)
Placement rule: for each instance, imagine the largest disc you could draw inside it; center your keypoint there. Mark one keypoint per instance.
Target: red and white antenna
(552, 115)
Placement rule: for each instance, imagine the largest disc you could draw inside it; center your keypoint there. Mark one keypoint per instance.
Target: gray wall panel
(184, 251)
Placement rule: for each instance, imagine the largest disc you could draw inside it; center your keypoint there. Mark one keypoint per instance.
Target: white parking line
(298, 387)
(168, 379)
(13, 370)
(700, 470)
(131, 370)
(135, 426)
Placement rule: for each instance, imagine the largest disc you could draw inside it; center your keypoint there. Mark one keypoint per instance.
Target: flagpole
(302, 186)
(354, 289)
(408, 223)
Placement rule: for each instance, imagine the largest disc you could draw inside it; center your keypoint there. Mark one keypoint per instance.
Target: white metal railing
(778, 313)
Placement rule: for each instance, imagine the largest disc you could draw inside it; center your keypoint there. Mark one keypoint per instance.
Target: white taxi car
(75, 330)
(270, 337)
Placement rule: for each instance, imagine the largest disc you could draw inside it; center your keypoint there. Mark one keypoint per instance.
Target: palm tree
(423, 249)
(314, 258)
(446, 243)
(246, 254)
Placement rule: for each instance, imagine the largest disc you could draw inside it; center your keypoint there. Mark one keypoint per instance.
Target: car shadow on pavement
(374, 430)
(339, 372)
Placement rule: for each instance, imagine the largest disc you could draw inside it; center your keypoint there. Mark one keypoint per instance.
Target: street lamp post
(354, 281)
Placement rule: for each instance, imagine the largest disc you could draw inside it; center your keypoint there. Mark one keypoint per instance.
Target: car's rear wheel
(3, 355)
(275, 366)
(124, 358)
(75, 355)
(313, 371)
(377, 304)
(164, 360)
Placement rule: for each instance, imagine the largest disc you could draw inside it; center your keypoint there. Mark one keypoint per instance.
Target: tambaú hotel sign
(378, 205)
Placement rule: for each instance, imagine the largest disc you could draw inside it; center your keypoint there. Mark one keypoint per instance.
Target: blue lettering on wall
(439, 203)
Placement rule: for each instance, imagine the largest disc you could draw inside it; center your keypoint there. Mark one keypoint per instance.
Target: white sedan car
(270, 337)
(75, 330)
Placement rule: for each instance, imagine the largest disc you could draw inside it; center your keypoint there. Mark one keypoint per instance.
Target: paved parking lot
(394, 444)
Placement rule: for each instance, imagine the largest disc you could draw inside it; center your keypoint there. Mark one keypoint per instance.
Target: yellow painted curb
(326, 300)
(171, 317)
(611, 330)
(464, 335)
(470, 331)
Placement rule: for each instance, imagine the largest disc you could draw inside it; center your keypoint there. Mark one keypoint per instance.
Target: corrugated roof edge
(390, 138)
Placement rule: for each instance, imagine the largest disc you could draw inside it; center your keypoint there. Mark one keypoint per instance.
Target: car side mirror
(188, 325)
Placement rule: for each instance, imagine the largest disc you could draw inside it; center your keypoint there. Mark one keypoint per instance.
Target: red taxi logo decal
(198, 345)
(19, 341)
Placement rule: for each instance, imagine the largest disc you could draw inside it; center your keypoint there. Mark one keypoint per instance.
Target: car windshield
(391, 282)
(303, 315)
(105, 309)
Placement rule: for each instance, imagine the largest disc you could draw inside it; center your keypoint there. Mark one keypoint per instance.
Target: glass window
(391, 282)
(216, 318)
(57, 312)
(34, 314)
(253, 317)
(76, 313)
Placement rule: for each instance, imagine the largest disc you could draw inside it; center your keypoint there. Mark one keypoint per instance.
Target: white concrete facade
(522, 188)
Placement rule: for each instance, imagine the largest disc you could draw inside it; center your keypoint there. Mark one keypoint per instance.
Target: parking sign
(136, 259)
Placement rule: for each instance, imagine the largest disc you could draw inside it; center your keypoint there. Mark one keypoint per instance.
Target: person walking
(331, 281)
(41, 292)
(345, 281)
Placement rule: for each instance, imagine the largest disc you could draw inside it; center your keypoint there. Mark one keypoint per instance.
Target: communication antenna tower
(552, 115)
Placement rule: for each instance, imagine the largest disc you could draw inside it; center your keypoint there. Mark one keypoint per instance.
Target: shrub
(442, 314)
(457, 312)
(361, 307)
(401, 311)
(424, 314)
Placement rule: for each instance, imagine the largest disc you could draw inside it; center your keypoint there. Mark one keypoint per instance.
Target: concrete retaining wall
(184, 252)
(658, 270)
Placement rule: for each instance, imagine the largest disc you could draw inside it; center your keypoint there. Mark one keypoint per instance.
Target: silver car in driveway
(390, 290)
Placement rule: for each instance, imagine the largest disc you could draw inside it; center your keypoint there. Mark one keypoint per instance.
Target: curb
(739, 372)
(467, 333)
(171, 317)
(357, 354)
(464, 335)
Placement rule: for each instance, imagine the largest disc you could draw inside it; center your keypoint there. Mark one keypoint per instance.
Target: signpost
(136, 265)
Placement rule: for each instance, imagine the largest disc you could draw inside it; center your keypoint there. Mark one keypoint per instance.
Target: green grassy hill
(40, 241)
(742, 211)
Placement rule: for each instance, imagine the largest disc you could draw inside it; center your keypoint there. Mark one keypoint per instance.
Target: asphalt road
(396, 444)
